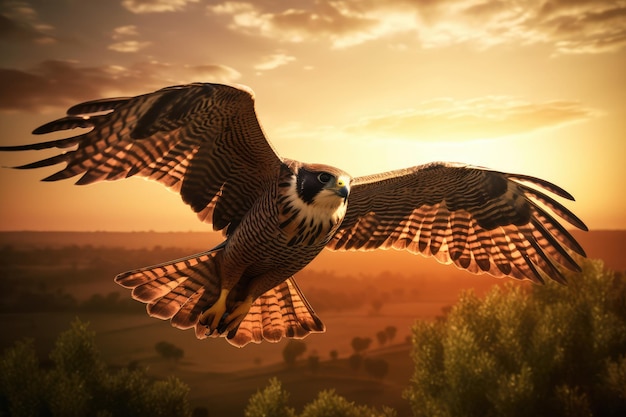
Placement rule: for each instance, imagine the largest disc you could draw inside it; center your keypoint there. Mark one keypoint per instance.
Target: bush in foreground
(274, 401)
(80, 384)
(547, 351)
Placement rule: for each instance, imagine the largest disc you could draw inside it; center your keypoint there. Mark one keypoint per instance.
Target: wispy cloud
(479, 118)
(156, 6)
(334, 21)
(125, 45)
(569, 27)
(128, 46)
(20, 22)
(57, 83)
(270, 62)
(450, 120)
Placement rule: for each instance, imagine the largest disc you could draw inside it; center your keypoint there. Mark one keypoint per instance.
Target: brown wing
(202, 140)
(480, 220)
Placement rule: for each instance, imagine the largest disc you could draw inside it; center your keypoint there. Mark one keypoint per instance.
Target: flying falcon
(205, 142)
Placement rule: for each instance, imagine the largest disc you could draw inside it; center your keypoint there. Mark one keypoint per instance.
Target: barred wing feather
(480, 220)
(197, 139)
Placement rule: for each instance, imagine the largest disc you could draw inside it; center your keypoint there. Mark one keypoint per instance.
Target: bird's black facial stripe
(309, 184)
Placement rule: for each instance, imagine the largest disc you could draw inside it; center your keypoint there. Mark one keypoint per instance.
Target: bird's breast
(305, 224)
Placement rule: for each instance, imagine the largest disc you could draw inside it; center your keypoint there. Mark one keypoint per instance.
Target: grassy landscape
(49, 279)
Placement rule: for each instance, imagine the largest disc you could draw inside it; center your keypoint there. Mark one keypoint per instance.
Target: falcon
(204, 141)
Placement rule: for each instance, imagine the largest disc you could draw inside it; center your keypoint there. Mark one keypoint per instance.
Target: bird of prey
(204, 141)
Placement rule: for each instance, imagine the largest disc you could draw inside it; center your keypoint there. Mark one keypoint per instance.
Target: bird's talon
(212, 317)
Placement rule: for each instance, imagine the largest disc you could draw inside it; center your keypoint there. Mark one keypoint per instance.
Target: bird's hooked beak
(342, 188)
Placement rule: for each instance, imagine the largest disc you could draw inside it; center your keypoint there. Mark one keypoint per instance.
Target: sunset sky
(533, 87)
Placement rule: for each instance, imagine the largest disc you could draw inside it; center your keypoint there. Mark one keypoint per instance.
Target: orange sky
(366, 86)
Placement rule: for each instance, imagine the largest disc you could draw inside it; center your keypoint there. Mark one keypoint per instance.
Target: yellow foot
(234, 318)
(212, 316)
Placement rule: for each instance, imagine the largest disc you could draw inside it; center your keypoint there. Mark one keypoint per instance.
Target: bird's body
(204, 141)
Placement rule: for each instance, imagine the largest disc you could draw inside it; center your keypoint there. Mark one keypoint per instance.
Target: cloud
(479, 118)
(156, 6)
(127, 45)
(19, 22)
(339, 22)
(57, 83)
(124, 31)
(568, 27)
(270, 62)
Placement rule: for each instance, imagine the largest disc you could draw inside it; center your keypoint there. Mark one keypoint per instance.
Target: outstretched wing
(202, 140)
(480, 220)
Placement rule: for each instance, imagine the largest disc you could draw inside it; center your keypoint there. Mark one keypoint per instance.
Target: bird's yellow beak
(342, 188)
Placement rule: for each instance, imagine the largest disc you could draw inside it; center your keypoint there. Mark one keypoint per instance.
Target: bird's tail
(178, 290)
(181, 290)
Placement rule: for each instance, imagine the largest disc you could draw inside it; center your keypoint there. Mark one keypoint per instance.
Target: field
(356, 295)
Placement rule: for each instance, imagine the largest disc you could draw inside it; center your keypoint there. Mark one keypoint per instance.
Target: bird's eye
(324, 177)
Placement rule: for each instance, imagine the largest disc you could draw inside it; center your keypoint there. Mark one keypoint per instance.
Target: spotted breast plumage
(205, 142)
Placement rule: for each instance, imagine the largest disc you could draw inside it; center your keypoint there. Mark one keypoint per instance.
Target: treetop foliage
(80, 384)
(273, 401)
(548, 350)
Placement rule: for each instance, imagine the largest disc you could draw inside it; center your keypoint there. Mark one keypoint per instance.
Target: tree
(79, 383)
(549, 350)
(334, 355)
(272, 401)
(382, 337)
(169, 351)
(359, 344)
(355, 360)
(293, 349)
(391, 332)
(313, 362)
(328, 404)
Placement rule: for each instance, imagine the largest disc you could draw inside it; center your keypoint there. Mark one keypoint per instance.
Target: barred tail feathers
(178, 290)
(182, 289)
(280, 312)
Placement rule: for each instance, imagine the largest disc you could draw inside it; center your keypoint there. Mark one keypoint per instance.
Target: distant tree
(551, 350)
(391, 332)
(355, 360)
(169, 351)
(334, 355)
(313, 362)
(360, 344)
(376, 367)
(271, 402)
(381, 336)
(293, 349)
(377, 305)
(79, 383)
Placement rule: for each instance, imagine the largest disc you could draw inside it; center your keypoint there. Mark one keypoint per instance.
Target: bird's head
(322, 186)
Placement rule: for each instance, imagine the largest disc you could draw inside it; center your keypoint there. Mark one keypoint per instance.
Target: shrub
(78, 383)
(272, 401)
(549, 350)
